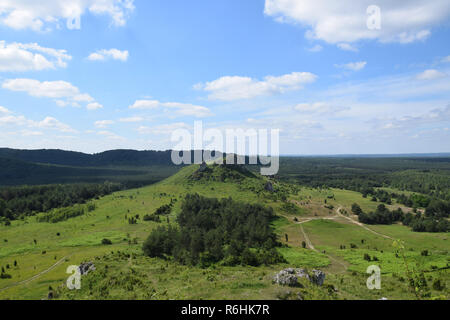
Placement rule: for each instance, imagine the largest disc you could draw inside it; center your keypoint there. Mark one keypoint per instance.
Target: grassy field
(43, 251)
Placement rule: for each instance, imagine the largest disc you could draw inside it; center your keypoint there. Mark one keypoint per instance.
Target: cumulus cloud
(235, 87)
(10, 119)
(347, 47)
(345, 21)
(115, 54)
(111, 135)
(103, 123)
(319, 107)
(46, 14)
(4, 110)
(353, 66)
(63, 92)
(30, 57)
(52, 123)
(430, 74)
(446, 59)
(182, 109)
(131, 119)
(162, 129)
(316, 48)
(94, 106)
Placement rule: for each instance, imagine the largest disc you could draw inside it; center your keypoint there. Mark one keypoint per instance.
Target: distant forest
(426, 175)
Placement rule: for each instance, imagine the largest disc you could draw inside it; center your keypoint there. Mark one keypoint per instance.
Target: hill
(78, 159)
(111, 230)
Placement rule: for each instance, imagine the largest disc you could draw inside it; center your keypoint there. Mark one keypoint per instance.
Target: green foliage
(211, 230)
(381, 216)
(62, 214)
(164, 210)
(356, 209)
(106, 241)
(16, 202)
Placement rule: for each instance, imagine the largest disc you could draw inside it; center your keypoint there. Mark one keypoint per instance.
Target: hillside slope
(123, 272)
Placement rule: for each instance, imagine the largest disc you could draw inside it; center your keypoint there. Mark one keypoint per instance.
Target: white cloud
(52, 123)
(63, 92)
(163, 129)
(131, 119)
(319, 107)
(111, 135)
(347, 47)
(316, 48)
(354, 66)
(4, 110)
(103, 123)
(115, 54)
(46, 123)
(446, 59)
(30, 133)
(30, 57)
(345, 21)
(183, 109)
(430, 74)
(46, 14)
(235, 88)
(94, 106)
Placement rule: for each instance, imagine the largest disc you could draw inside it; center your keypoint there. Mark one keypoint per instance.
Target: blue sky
(133, 71)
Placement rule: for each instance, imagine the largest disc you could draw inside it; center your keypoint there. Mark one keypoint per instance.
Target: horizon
(433, 154)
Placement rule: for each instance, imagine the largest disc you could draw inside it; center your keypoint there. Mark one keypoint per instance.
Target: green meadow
(37, 254)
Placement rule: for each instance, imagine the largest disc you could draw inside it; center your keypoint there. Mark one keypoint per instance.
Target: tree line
(433, 220)
(18, 202)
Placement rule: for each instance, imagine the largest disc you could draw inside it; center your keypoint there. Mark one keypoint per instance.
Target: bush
(106, 242)
(63, 214)
(152, 217)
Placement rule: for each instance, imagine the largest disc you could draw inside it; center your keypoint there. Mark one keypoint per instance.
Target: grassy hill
(36, 254)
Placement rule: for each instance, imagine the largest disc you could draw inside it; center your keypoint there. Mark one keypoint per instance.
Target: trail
(338, 211)
(35, 276)
(315, 218)
(311, 246)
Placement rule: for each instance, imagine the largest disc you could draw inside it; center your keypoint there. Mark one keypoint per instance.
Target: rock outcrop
(269, 187)
(290, 277)
(86, 267)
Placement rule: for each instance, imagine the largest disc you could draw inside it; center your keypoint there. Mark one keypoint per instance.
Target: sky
(336, 77)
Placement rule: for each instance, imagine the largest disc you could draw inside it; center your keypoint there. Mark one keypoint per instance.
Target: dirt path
(308, 242)
(338, 211)
(35, 276)
(311, 246)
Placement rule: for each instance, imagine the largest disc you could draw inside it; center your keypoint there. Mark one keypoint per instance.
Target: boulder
(286, 278)
(290, 276)
(317, 277)
(269, 187)
(203, 167)
(86, 267)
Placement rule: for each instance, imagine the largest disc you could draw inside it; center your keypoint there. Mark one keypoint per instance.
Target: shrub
(106, 242)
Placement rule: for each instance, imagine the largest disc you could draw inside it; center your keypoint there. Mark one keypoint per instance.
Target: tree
(356, 209)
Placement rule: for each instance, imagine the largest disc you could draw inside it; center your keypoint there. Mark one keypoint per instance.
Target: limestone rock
(86, 267)
(269, 187)
(290, 276)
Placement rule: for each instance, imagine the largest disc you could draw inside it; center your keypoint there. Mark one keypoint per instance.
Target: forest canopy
(212, 230)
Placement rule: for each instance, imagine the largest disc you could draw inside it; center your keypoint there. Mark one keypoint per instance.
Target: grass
(120, 276)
